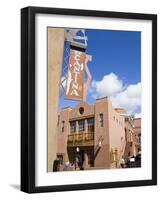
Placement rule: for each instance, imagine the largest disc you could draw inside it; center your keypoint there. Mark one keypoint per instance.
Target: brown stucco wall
(55, 58)
(102, 158)
(62, 136)
(137, 123)
(88, 111)
(117, 130)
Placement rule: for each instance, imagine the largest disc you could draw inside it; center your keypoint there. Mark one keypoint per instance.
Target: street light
(77, 149)
(100, 143)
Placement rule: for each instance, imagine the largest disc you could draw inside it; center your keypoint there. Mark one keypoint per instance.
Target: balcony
(81, 139)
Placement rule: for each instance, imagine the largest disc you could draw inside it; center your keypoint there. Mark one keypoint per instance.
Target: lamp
(77, 149)
(100, 143)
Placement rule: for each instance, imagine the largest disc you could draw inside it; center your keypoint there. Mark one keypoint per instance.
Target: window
(139, 135)
(62, 126)
(81, 125)
(90, 122)
(81, 110)
(101, 119)
(73, 126)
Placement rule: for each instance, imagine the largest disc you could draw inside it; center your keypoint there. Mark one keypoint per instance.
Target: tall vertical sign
(75, 79)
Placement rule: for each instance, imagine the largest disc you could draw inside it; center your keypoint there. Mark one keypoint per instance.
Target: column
(85, 164)
(55, 60)
(77, 127)
(86, 126)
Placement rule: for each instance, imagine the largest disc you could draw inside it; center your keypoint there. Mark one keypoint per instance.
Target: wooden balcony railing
(81, 139)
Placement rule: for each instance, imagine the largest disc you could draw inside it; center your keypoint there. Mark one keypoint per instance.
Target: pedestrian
(122, 163)
(77, 164)
(72, 166)
(66, 166)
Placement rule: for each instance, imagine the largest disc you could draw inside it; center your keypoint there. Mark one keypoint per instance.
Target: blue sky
(114, 51)
(115, 68)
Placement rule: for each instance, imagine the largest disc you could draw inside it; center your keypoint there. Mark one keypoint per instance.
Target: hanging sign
(75, 79)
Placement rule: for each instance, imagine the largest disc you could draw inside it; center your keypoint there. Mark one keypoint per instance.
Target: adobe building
(137, 134)
(133, 136)
(95, 134)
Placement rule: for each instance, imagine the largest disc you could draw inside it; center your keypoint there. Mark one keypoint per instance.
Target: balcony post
(77, 128)
(86, 126)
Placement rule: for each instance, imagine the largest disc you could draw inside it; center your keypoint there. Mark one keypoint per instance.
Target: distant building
(97, 135)
(133, 136)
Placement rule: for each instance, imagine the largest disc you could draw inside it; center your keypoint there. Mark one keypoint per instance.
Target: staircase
(127, 149)
(98, 146)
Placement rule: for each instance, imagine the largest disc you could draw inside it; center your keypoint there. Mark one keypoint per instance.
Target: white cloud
(108, 86)
(138, 115)
(127, 97)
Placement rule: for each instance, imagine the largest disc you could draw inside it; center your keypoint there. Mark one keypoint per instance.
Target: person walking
(122, 162)
(66, 166)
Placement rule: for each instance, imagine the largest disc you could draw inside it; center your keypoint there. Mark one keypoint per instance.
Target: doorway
(80, 159)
